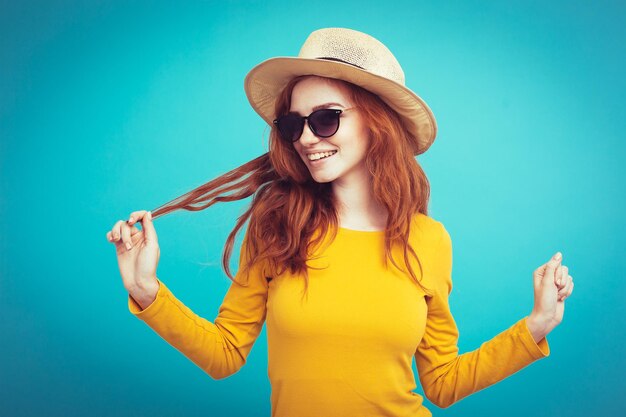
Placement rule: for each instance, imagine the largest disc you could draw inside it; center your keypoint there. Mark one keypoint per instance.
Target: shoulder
(429, 230)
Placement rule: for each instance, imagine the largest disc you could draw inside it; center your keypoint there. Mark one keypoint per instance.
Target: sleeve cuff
(539, 349)
(153, 308)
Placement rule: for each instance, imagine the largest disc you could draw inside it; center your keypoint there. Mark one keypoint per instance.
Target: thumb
(148, 228)
(552, 265)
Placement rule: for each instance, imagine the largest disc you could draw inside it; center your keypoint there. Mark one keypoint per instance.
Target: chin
(322, 178)
(324, 175)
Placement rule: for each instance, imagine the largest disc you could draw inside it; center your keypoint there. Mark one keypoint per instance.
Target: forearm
(197, 338)
(495, 360)
(221, 347)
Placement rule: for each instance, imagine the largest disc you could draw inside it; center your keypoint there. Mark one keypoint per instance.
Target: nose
(308, 137)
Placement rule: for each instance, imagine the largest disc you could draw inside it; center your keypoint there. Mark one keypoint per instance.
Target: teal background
(111, 107)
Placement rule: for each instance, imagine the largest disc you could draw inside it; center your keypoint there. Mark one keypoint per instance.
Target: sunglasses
(323, 123)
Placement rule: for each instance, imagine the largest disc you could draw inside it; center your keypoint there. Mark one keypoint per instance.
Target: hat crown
(354, 48)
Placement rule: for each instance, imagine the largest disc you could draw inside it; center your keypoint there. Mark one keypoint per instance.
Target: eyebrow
(323, 106)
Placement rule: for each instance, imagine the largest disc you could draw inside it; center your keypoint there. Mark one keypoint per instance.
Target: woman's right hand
(138, 261)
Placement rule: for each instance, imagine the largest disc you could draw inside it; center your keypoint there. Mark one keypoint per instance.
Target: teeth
(316, 156)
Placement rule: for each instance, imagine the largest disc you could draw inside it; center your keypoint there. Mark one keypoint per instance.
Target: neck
(357, 208)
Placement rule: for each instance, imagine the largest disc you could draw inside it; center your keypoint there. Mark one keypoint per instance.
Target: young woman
(339, 257)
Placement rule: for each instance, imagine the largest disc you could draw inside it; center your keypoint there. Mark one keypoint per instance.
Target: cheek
(297, 149)
(361, 147)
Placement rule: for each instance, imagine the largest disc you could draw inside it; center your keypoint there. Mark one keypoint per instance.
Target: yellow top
(347, 349)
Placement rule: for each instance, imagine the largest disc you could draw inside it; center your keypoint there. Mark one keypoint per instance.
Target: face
(350, 142)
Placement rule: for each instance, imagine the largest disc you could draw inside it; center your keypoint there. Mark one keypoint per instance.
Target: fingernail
(557, 256)
(128, 246)
(130, 219)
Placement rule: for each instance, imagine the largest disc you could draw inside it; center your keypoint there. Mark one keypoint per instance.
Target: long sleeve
(446, 376)
(219, 348)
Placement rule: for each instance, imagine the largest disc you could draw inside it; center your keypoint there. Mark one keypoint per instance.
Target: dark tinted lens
(290, 127)
(325, 122)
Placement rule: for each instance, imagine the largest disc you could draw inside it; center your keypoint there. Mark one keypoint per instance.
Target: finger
(128, 244)
(135, 216)
(110, 236)
(148, 228)
(563, 277)
(552, 265)
(558, 273)
(116, 230)
(565, 290)
(560, 276)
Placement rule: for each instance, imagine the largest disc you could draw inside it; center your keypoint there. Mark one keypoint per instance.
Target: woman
(339, 217)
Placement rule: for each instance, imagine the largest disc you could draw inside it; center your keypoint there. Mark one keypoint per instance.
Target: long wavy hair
(289, 209)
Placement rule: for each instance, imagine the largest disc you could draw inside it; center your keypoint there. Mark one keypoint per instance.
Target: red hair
(288, 206)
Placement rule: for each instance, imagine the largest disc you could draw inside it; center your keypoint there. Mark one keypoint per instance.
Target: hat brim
(266, 80)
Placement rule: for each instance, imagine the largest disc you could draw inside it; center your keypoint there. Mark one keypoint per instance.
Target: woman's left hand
(552, 284)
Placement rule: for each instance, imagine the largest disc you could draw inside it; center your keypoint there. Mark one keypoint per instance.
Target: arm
(446, 376)
(219, 348)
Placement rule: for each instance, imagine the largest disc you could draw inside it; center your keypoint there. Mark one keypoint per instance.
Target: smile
(321, 155)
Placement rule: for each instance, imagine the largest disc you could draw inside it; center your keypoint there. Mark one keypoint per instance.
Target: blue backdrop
(111, 107)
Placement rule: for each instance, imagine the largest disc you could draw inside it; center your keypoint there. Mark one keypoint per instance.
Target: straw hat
(347, 55)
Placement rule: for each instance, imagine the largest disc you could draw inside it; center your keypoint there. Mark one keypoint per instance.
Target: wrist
(145, 294)
(538, 327)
